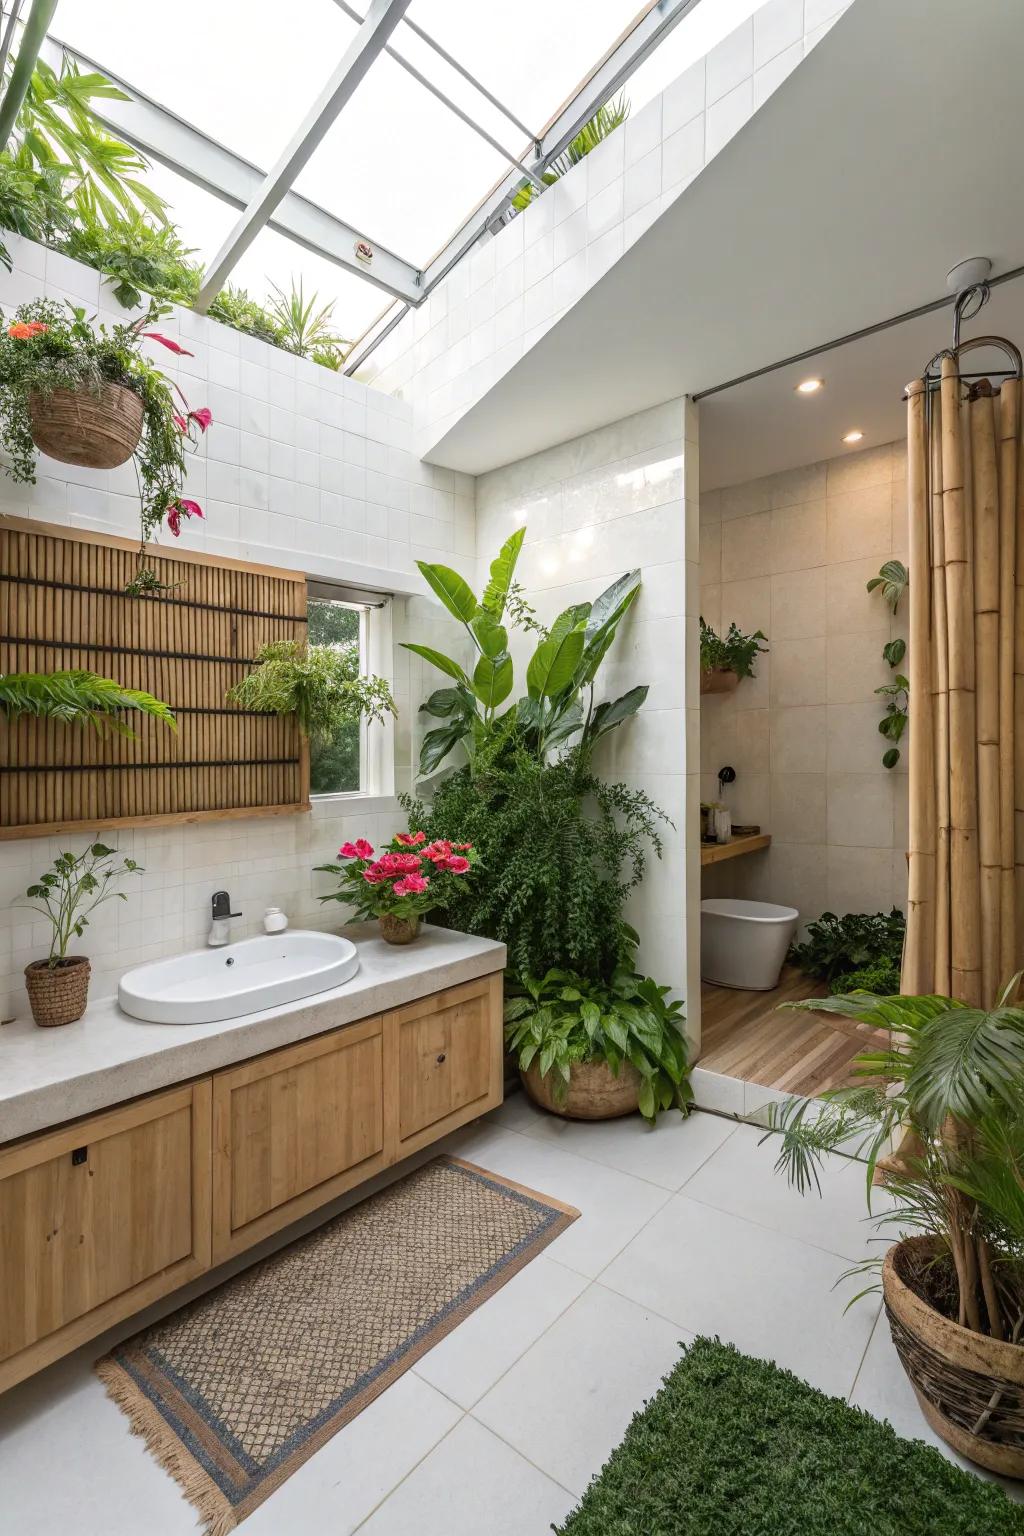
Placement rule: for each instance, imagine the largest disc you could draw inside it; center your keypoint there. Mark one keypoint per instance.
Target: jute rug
(237, 1390)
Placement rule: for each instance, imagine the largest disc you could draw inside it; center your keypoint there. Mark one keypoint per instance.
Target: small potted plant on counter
(66, 896)
(724, 662)
(402, 883)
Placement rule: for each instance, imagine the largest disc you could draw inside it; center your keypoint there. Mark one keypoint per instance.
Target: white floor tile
(666, 1154)
(768, 1294)
(613, 1206)
(349, 1476)
(740, 1177)
(480, 1350)
(569, 1400)
(470, 1484)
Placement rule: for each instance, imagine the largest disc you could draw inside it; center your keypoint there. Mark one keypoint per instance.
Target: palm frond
(77, 698)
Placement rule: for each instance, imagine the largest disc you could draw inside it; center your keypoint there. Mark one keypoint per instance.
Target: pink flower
(400, 863)
(179, 509)
(411, 885)
(438, 851)
(463, 847)
(202, 418)
(375, 875)
(411, 839)
(172, 346)
(457, 865)
(360, 849)
(180, 423)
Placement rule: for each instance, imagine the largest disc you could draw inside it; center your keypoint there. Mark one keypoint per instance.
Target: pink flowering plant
(407, 878)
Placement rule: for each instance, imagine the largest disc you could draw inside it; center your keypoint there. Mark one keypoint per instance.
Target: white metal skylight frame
(268, 200)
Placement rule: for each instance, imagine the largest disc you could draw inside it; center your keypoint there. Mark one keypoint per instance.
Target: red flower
(463, 847)
(24, 330)
(457, 865)
(202, 418)
(180, 423)
(411, 885)
(374, 875)
(183, 507)
(172, 346)
(400, 863)
(411, 839)
(360, 849)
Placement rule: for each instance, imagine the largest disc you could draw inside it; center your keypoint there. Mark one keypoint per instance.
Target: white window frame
(376, 651)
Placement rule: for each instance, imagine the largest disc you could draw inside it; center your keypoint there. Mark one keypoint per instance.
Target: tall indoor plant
(952, 1079)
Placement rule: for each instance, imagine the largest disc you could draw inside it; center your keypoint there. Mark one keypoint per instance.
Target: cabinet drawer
(449, 1059)
(102, 1217)
(294, 1128)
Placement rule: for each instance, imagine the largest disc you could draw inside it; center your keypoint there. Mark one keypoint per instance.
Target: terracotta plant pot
(718, 680)
(97, 430)
(58, 995)
(594, 1092)
(398, 930)
(970, 1387)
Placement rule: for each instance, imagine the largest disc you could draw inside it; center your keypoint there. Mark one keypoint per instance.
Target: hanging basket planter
(718, 680)
(97, 429)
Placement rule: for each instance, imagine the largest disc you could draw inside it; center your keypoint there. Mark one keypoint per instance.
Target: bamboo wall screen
(62, 605)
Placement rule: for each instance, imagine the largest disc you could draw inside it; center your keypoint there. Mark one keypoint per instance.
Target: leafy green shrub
(234, 307)
(137, 254)
(320, 685)
(851, 943)
(882, 978)
(565, 1018)
(737, 652)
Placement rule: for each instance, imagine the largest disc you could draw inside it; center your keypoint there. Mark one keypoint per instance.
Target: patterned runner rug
(235, 1391)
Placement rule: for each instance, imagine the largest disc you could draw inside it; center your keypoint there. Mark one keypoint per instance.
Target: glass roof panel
(700, 30)
(241, 71)
(399, 166)
(274, 258)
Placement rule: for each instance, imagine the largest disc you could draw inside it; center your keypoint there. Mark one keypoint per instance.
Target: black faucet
(222, 906)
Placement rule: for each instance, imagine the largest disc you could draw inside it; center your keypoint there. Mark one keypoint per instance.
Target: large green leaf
(503, 569)
(611, 600)
(490, 636)
(448, 585)
(963, 1059)
(437, 659)
(443, 703)
(553, 664)
(436, 745)
(600, 638)
(609, 714)
(569, 619)
(492, 680)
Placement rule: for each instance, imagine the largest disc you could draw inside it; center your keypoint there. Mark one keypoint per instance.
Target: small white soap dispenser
(274, 920)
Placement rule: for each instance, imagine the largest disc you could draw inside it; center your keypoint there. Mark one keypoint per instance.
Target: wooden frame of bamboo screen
(62, 605)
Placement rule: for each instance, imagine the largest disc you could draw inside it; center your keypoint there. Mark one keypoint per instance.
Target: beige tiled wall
(791, 554)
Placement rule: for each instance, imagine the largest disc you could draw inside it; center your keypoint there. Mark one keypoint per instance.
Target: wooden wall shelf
(714, 853)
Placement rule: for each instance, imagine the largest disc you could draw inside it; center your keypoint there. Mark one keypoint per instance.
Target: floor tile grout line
(405, 1477)
(860, 1365)
(761, 1226)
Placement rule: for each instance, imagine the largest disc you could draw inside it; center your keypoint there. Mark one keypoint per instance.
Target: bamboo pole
(1018, 705)
(985, 476)
(1009, 433)
(965, 905)
(919, 951)
(940, 713)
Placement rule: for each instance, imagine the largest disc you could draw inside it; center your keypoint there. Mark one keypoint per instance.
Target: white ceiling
(890, 154)
(762, 426)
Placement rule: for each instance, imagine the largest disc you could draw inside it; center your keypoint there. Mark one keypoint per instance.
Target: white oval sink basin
(211, 984)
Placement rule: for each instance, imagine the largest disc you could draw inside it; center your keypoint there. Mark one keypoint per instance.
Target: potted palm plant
(66, 896)
(951, 1078)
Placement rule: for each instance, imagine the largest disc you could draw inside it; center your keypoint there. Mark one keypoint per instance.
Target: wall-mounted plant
(892, 582)
(78, 698)
(86, 395)
(724, 661)
(319, 684)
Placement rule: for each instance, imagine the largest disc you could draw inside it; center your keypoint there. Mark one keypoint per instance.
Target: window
(358, 758)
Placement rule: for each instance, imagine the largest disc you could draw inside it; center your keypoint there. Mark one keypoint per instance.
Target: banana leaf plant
(559, 703)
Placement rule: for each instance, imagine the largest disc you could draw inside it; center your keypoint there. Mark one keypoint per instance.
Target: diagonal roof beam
(381, 20)
(168, 139)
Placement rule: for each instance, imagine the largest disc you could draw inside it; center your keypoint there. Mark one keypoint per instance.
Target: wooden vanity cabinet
(103, 1216)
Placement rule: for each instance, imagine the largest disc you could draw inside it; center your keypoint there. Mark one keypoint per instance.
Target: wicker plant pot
(718, 680)
(97, 430)
(58, 996)
(594, 1092)
(970, 1387)
(398, 930)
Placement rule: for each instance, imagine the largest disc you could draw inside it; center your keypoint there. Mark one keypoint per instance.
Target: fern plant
(319, 684)
(78, 698)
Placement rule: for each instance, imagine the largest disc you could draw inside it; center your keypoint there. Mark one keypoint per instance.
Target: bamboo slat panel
(62, 605)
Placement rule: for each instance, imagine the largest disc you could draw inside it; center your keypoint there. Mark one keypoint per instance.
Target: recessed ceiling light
(853, 437)
(809, 386)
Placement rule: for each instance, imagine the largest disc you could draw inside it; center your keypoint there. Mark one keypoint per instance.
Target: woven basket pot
(58, 996)
(594, 1092)
(97, 430)
(718, 680)
(398, 930)
(970, 1387)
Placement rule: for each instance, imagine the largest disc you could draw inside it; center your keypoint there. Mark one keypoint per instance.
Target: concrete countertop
(48, 1076)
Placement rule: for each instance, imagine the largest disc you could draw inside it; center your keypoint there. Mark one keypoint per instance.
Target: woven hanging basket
(58, 995)
(594, 1092)
(970, 1386)
(718, 680)
(98, 430)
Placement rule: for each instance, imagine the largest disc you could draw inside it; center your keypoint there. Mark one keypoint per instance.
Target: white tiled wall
(498, 302)
(791, 554)
(596, 507)
(303, 468)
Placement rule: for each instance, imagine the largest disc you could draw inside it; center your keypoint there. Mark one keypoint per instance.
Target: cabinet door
(98, 1219)
(448, 1052)
(292, 1129)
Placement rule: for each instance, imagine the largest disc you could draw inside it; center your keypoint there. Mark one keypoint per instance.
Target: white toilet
(744, 943)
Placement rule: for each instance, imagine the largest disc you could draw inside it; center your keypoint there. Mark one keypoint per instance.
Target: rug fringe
(146, 1420)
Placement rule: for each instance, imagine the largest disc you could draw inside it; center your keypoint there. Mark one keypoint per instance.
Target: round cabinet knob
(440, 1059)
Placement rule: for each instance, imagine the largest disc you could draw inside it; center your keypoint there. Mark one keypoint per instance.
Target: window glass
(335, 766)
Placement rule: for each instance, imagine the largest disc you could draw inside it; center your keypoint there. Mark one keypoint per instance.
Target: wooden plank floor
(743, 1035)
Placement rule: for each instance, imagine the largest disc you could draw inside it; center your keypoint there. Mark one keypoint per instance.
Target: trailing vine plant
(892, 581)
(319, 684)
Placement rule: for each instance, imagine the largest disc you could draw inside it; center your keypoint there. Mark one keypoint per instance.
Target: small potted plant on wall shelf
(402, 883)
(85, 394)
(724, 662)
(66, 896)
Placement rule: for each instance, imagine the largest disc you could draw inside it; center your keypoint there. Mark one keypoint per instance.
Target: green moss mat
(732, 1446)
